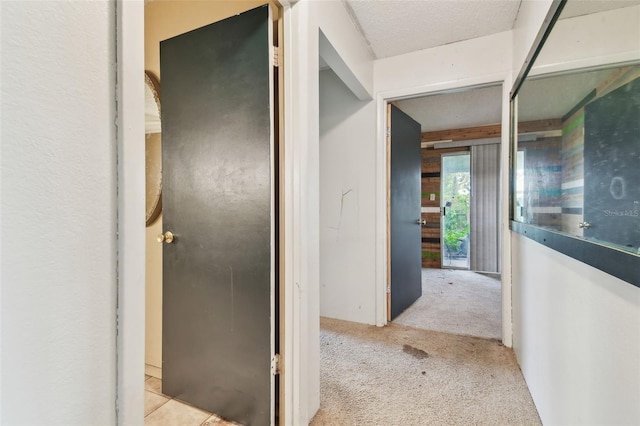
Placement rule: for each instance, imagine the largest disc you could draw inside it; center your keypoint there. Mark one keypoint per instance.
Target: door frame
(382, 197)
(130, 247)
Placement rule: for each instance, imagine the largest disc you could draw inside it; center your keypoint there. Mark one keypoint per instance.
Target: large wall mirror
(576, 151)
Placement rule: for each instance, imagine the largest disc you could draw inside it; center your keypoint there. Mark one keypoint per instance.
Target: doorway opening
(460, 150)
(346, 167)
(163, 21)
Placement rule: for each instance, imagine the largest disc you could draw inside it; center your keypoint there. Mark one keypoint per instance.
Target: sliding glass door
(455, 208)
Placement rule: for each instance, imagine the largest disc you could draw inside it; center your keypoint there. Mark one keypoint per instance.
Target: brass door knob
(167, 237)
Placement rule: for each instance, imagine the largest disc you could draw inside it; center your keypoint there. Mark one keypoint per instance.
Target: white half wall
(347, 203)
(577, 338)
(59, 213)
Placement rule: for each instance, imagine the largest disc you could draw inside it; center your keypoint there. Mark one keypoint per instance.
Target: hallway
(439, 362)
(398, 375)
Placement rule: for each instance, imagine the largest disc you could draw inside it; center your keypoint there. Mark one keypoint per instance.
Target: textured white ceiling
(469, 108)
(394, 27)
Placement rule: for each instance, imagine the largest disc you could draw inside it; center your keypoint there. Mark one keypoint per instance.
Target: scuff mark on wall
(342, 204)
(342, 197)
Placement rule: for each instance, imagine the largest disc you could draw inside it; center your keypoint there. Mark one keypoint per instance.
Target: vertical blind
(485, 191)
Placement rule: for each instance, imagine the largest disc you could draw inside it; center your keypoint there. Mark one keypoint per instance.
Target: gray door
(218, 201)
(406, 269)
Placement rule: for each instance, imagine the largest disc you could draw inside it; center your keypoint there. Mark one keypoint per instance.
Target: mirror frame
(621, 264)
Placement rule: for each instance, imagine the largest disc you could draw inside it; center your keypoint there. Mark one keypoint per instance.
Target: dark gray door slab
(406, 269)
(218, 201)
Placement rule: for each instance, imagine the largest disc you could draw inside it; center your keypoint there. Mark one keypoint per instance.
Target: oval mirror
(153, 148)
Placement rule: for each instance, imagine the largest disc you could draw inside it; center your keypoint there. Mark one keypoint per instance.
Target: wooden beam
(490, 131)
(468, 133)
(540, 125)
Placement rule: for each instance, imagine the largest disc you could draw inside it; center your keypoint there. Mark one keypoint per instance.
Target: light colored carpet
(398, 375)
(458, 302)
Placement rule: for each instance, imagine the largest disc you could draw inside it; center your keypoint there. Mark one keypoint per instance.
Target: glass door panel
(455, 205)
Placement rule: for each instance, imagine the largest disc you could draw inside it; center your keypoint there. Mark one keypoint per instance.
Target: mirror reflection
(153, 151)
(577, 155)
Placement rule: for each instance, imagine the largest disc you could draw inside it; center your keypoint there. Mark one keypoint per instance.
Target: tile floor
(162, 410)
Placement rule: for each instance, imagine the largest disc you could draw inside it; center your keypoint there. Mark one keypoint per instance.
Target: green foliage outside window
(456, 192)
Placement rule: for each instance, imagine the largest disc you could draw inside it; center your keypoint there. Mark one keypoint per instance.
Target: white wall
(589, 40)
(58, 201)
(131, 208)
(531, 16)
(577, 338)
(301, 192)
(470, 62)
(577, 329)
(347, 208)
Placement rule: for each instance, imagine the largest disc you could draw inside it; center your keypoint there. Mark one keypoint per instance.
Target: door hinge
(388, 289)
(275, 364)
(388, 131)
(276, 56)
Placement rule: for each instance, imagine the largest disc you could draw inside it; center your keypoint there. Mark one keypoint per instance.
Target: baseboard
(496, 275)
(153, 371)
